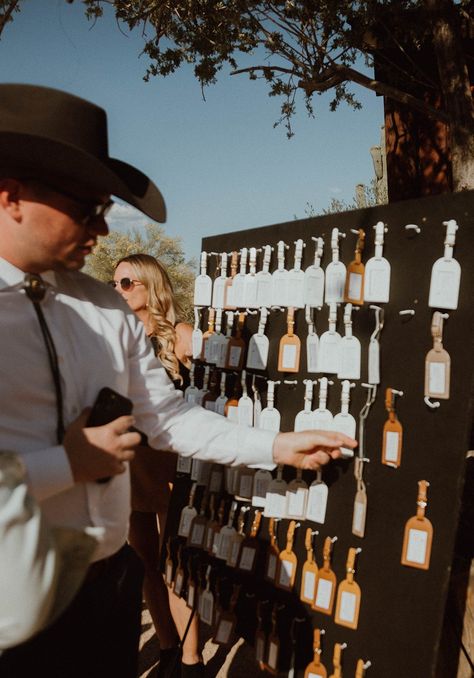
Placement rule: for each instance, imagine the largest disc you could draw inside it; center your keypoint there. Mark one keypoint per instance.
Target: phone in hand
(108, 406)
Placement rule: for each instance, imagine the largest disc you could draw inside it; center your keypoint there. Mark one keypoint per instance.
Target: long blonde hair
(161, 305)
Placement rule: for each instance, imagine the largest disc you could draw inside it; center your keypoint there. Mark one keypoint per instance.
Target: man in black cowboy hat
(64, 336)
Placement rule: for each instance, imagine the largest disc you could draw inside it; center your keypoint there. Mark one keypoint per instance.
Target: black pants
(97, 636)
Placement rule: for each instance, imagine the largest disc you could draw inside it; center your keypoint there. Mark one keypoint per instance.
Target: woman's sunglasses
(125, 283)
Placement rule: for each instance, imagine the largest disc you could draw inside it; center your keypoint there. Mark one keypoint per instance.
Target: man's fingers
(122, 424)
(129, 440)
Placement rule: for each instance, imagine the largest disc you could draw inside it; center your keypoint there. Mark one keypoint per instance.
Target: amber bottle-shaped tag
(229, 304)
(273, 646)
(418, 534)
(288, 561)
(438, 362)
(354, 289)
(315, 668)
(273, 552)
(248, 551)
(336, 660)
(309, 575)
(326, 582)
(361, 667)
(290, 347)
(348, 595)
(359, 514)
(392, 432)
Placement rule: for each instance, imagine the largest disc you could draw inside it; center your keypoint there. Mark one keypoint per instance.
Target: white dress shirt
(99, 342)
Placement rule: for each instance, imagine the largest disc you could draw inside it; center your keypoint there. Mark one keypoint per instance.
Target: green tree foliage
(110, 249)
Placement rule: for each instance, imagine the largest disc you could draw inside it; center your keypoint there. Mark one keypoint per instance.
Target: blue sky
(220, 163)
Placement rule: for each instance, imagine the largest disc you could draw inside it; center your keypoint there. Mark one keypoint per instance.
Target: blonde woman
(145, 285)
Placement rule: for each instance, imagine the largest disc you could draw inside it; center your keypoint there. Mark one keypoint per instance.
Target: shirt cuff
(48, 471)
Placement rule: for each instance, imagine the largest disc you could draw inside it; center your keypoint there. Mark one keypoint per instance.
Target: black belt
(101, 567)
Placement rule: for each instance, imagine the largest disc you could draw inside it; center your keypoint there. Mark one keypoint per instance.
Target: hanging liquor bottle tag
(205, 386)
(221, 401)
(309, 573)
(280, 278)
(227, 620)
(349, 350)
(265, 280)
(296, 278)
(354, 290)
(438, 362)
(377, 271)
(249, 547)
(359, 513)
(322, 417)
(232, 475)
(348, 595)
(290, 347)
(326, 583)
(198, 526)
(273, 552)
(212, 525)
(314, 278)
(345, 422)
(203, 285)
(335, 272)
(250, 284)
(257, 356)
(206, 602)
(216, 346)
(187, 514)
(245, 405)
(304, 420)
(257, 410)
(260, 639)
(229, 285)
(216, 478)
(317, 500)
(270, 417)
(246, 478)
(218, 528)
(227, 534)
(297, 497)
(196, 337)
(312, 343)
(184, 464)
(205, 337)
(392, 432)
(179, 576)
(316, 669)
(418, 534)
(328, 356)
(219, 287)
(446, 273)
(374, 347)
(337, 670)
(273, 645)
(275, 501)
(361, 667)
(169, 565)
(237, 539)
(288, 561)
(261, 482)
(239, 280)
(191, 394)
(236, 347)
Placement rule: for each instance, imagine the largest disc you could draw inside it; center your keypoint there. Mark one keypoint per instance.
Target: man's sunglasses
(125, 283)
(90, 209)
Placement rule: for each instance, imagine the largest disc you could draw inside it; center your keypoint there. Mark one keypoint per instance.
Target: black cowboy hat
(54, 133)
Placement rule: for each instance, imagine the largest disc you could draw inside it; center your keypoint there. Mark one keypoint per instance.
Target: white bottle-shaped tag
(345, 422)
(203, 285)
(328, 357)
(373, 376)
(220, 402)
(317, 500)
(296, 497)
(304, 420)
(245, 406)
(251, 283)
(270, 417)
(446, 273)
(239, 280)
(349, 350)
(322, 417)
(261, 483)
(265, 280)
(191, 394)
(275, 501)
(377, 271)
(314, 278)
(257, 355)
(187, 514)
(335, 272)
(216, 345)
(196, 338)
(312, 344)
(218, 291)
(296, 278)
(227, 534)
(280, 279)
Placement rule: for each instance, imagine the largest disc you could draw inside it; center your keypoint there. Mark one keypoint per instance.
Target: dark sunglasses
(90, 210)
(125, 283)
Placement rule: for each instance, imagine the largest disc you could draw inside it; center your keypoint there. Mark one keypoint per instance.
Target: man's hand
(99, 451)
(309, 449)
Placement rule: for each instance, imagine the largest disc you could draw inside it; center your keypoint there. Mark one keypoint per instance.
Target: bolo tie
(36, 290)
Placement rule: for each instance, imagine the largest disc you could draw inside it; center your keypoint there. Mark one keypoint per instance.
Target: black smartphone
(109, 405)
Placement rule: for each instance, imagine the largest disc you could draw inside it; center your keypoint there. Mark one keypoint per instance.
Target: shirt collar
(11, 276)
